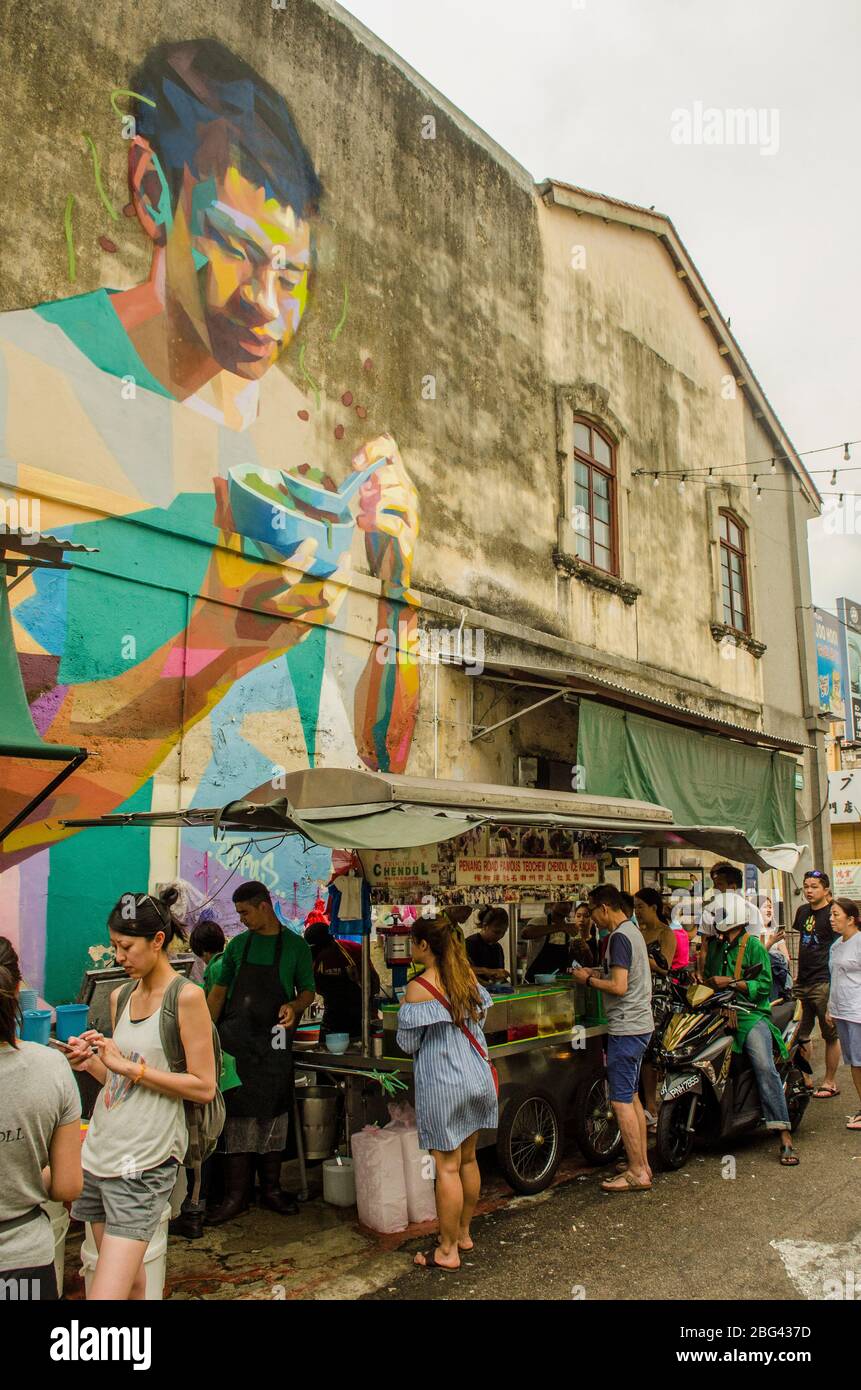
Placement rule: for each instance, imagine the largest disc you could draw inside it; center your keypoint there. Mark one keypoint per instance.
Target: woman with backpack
(138, 1135)
(40, 1112)
(439, 1024)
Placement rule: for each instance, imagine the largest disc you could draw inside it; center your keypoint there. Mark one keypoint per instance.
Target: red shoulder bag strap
(431, 989)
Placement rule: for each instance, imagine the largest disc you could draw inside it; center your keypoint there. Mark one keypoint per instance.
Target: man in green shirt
(757, 1034)
(265, 982)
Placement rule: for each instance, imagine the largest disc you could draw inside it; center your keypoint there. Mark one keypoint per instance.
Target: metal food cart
(547, 1042)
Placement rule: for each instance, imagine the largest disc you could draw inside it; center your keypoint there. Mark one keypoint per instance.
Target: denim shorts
(624, 1059)
(129, 1207)
(849, 1034)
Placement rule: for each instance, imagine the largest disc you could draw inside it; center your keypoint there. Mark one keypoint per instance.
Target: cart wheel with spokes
(595, 1126)
(529, 1140)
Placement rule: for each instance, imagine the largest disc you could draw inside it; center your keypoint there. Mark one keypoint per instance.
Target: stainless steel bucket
(318, 1106)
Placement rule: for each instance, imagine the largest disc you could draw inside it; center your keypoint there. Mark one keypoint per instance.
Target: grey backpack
(205, 1120)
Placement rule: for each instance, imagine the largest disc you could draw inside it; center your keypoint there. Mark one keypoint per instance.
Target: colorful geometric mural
(213, 624)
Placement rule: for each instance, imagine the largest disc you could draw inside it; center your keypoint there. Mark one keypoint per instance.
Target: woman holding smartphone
(137, 1137)
(40, 1111)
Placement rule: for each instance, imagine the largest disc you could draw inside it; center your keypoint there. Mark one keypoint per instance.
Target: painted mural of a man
(149, 397)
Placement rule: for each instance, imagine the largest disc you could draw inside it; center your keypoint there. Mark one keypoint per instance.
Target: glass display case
(529, 1015)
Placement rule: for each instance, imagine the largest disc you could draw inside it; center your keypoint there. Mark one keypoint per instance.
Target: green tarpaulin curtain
(702, 779)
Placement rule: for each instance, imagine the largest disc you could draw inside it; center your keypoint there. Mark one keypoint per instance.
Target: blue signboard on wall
(849, 613)
(829, 664)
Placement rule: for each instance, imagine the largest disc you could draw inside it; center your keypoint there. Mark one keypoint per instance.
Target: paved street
(697, 1235)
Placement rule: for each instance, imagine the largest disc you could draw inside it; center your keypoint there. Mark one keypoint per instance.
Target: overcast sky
(585, 90)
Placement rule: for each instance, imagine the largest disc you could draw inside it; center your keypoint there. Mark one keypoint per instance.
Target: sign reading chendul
(844, 797)
(846, 878)
(829, 664)
(849, 613)
(401, 869)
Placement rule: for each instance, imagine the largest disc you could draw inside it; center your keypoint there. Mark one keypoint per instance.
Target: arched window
(733, 572)
(594, 511)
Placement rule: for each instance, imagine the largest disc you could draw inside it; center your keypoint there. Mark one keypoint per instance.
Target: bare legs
(632, 1123)
(119, 1272)
(458, 1185)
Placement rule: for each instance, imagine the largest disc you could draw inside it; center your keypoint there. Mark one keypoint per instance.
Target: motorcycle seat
(782, 1013)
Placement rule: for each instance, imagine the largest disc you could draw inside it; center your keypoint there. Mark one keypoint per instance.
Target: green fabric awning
(704, 780)
(18, 735)
(389, 827)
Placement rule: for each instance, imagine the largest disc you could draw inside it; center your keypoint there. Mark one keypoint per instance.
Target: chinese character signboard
(501, 856)
(527, 873)
(847, 878)
(844, 797)
(829, 664)
(849, 614)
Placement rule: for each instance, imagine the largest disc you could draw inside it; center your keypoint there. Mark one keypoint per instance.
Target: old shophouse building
(568, 532)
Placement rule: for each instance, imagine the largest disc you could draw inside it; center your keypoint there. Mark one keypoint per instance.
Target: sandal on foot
(631, 1185)
(430, 1262)
(788, 1157)
(826, 1092)
(855, 1121)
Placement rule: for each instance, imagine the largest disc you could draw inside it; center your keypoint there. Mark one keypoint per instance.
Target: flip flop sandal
(788, 1157)
(855, 1122)
(631, 1186)
(825, 1093)
(431, 1263)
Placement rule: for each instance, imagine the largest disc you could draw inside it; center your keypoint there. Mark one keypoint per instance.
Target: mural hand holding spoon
(388, 514)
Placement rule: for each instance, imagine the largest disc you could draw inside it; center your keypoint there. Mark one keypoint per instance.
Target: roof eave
(583, 201)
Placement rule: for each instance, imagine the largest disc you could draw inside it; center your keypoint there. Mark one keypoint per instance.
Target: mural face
(223, 553)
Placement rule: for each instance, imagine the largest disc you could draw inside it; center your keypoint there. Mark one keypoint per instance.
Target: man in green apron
(265, 982)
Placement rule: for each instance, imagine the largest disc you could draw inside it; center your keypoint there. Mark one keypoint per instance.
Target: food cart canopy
(345, 809)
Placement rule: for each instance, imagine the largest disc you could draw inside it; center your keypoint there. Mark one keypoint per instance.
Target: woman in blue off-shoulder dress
(439, 1025)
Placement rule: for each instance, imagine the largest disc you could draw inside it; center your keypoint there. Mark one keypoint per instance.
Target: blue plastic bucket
(27, 999)
(72, 1019)
(36, 1026)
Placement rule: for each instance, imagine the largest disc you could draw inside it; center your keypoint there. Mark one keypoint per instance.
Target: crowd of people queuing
(255, 988)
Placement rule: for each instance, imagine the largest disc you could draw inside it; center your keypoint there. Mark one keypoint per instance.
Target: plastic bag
(418, 1164)
(401, 1116)
(381, 1192)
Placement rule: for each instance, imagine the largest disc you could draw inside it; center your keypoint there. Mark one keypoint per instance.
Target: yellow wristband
(140, 1075)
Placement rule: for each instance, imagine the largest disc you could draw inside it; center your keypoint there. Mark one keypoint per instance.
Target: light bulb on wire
(773, 466)
(682, 482)
(846, 454)
(656, 481)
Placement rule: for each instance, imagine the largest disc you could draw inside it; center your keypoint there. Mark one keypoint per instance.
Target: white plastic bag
(418, 1164)
(381, 1193)
(418, 1176)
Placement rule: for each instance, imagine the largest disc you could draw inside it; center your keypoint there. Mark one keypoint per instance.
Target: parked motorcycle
(709, 1092)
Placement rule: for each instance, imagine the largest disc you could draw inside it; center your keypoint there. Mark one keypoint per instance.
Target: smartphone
(64, 1047)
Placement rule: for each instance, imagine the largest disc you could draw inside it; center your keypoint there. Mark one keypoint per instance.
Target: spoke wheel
(595, 1126)
(529, 1141)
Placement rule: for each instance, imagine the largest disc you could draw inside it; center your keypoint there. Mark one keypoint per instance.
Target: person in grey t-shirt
(40, 1113)
(625, 981)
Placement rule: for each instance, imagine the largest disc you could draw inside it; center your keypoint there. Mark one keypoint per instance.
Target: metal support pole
(366, 993)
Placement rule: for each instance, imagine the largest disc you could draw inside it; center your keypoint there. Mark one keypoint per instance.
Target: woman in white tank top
(137, 1137)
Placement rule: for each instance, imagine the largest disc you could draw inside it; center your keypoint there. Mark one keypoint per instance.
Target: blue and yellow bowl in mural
(280, 510)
